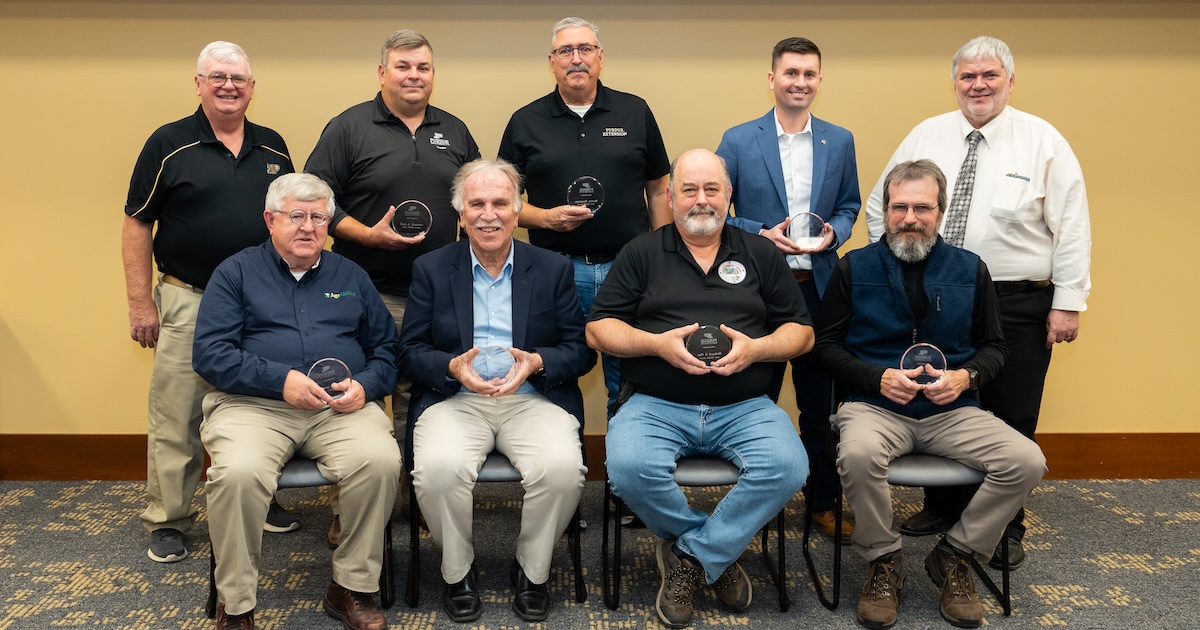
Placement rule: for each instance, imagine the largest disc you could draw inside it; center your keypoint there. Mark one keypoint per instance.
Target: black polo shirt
(655, 285)
(617, 142)
(372, 161)
(208, 203)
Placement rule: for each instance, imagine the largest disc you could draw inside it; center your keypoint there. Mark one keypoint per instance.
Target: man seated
(663, 286)
(268, 315)
(516, 304)
(911, 287)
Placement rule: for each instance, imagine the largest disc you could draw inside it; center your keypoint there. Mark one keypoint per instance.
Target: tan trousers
(450, 443)
(174, 454)
(250, 439)
(872, 437)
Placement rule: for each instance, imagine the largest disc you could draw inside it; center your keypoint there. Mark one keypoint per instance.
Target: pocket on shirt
(1010, 196)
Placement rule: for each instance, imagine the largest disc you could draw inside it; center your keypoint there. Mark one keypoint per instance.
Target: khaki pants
(174, 454)
(872, 437)
(450, 444)
(250, 439)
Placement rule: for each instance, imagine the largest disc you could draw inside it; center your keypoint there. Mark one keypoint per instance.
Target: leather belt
(1020, 286)
(173, 281)
(595, 259)
(802, 275)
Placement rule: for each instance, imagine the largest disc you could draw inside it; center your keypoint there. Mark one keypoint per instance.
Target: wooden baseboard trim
(35, 457)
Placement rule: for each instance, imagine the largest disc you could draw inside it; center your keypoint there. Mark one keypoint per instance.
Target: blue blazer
(439, 324)
(751, 151)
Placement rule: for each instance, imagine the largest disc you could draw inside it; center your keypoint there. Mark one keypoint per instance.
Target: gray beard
(910, 251)
(701, 224)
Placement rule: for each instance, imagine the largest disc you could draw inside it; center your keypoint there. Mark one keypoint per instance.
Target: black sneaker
(279, 520)
(166, 545)
(924, 523)
(1016, 554)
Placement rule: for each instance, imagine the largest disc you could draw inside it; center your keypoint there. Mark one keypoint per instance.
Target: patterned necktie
(956, 214)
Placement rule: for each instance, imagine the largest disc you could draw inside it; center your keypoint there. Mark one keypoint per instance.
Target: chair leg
(387, 572)
(1003, 595)
(829, 601)
(210, 606)
(573, 539)
(778, 569)
(610, 569)
(412, 586)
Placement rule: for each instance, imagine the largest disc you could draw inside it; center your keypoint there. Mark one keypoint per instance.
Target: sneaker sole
(276, 529)
(168, 558)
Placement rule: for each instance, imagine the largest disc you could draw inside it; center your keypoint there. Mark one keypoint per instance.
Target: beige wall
(84, 84)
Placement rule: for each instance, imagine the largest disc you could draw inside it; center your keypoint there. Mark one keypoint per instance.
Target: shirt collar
(250, 137)
(779, 128)
(385, 115)
(988, 131)
(508, 262)
(603, 102)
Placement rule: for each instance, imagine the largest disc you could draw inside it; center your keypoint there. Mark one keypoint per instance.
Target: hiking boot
(879, 600)
(279, 520)
(950, 569)
(166, 545)
(680, 577)
(733, 588)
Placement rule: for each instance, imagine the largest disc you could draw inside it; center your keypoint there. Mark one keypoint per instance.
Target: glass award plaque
(924, 355)
(412, 217)
(326, 372)
(587, 192)
(806, 229)
(708, 344)
(492, 363)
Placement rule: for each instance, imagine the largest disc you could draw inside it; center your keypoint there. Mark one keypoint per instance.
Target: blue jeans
(588, 279)
(648, 435)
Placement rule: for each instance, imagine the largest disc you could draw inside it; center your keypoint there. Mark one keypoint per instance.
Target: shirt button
(583, 135)
(301, 311)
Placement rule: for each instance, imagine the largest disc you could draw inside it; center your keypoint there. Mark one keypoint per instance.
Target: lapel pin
(823, 142)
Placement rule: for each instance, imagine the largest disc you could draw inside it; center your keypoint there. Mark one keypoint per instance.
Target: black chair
(496, 469)
(690, 471)
(302, 472)
(913, 469)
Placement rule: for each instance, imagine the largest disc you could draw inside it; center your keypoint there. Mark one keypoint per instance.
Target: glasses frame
(216, 79)
(566, 52)
(318, 218)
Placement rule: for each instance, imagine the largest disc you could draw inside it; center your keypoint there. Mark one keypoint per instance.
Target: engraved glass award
(806, 229)
(493, 363)
(924, 355)
(412, 217)
(587, 192)
(326, 372)
(708, 344)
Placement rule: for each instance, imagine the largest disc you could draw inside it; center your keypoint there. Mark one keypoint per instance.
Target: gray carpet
(1103, 554)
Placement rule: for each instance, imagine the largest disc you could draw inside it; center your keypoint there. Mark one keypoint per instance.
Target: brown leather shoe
(825, 521)
(244, 621)
(356, 611)
(334, 536)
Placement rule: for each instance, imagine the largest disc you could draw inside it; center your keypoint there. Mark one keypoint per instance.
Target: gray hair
(504, 167)
(225, 52)
(299, 187)
(403, 39)
(572, 22)
(983, 47)
(913, 171)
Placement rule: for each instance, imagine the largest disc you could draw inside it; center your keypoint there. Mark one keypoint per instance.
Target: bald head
(699, 192)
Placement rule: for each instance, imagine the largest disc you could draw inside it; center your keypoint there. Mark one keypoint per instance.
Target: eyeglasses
(299, 217)
(217, 79)
(903, 208)
(565, 52)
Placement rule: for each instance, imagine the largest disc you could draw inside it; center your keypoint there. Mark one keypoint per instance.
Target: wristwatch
(973, 375)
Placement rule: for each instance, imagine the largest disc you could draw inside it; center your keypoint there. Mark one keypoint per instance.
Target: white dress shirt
(796, 155)
(1029, 211)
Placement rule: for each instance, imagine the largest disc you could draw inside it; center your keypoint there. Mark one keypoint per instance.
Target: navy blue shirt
(257, 322)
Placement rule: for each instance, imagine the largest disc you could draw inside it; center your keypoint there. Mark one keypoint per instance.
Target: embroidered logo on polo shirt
(334, 296)
(272, 169)
(438, 141)
(732, 271)
(615, 131)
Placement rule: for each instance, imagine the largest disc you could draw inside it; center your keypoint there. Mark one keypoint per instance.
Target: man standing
(663, 286)
(202, 179)
(1019, 203)
(271, 314)
(379, 154)
(912, 286)
(585, 135)
(494, 301)
(786, 163)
